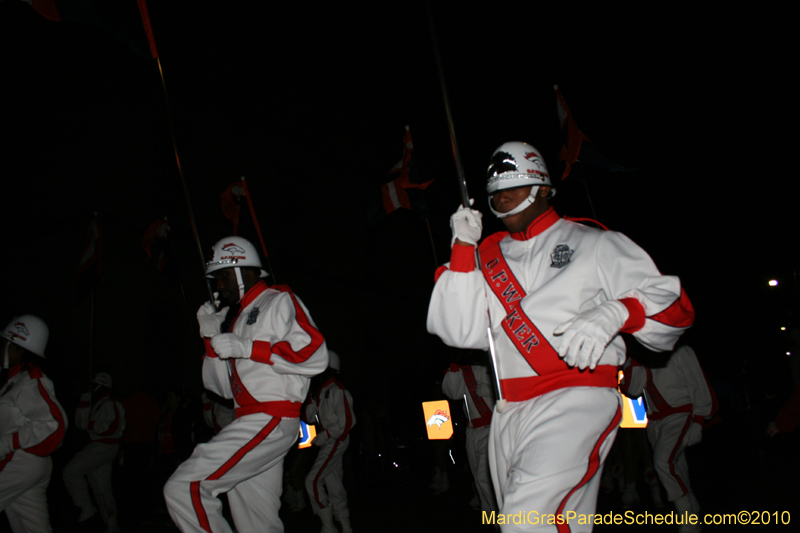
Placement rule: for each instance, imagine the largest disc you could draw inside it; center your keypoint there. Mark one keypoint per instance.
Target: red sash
(472, 387)
(526, 337)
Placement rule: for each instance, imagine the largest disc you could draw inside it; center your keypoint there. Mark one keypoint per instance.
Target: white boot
(326, 515)
(112, 526)
(86, 513)
(683, 506)
(631, 496)
(345, 521)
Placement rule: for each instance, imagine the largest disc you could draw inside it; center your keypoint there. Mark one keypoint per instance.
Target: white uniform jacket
(540, 278)
(475, 382)
(334, 406)
(30, 413)
(679, 387)
(104, 421)
(287, 351)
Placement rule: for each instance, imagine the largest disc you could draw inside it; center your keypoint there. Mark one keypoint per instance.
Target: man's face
(507, 199)
(226, 285)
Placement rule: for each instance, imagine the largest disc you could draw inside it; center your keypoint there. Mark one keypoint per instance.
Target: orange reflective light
(634, 414)
(437, 420)
(307, 434)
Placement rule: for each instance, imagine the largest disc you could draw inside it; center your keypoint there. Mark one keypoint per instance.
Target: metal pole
(465, 200)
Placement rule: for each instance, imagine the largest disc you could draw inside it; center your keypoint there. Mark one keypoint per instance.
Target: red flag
(147, 28)
(157, 230)
(47, 9)
(572, 136)
(232, 203)
(394, 193)
(92, 250)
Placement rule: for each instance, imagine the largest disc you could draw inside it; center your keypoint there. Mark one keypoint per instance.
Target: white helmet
(234, 252)
(102, 378)
(333, 361)
(29, 332)
(516, 164)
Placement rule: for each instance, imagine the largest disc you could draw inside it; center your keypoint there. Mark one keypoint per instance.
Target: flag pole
(500, 404)
(154, 52)
(258, 227)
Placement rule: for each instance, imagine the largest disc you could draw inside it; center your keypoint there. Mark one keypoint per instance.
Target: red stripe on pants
(594, 466)
(202, 518)
(672, 455)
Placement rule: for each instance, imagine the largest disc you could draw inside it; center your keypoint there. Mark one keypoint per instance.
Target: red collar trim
(14, 370)
(539, 225)
(332, 380)
(253, 293)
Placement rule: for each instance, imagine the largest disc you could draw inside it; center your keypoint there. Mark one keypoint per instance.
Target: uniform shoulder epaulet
(585, 220)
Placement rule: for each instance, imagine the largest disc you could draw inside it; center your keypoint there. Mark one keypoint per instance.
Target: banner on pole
(438, 420)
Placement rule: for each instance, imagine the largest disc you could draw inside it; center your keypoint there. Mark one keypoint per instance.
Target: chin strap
(240, 282)
(521, 207)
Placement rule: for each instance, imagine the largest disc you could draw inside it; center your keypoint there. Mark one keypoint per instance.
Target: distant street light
(773, 283)
(783, 328)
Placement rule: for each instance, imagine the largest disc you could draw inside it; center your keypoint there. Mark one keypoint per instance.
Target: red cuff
(462, 258)
(262, 352)
(454, 367)
(698, 419)
(636, 316)
(209, 350)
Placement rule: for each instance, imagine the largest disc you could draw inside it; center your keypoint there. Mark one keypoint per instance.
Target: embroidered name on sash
(526, 337)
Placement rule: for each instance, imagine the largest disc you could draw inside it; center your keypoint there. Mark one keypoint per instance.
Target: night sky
(310, 105)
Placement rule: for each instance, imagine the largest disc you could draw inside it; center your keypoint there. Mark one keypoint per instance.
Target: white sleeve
(629, 272)
(336, 412)
(288, 339)
(457, 312)
(45, 423)
(453, 385)
(695, 381)
(107, 418)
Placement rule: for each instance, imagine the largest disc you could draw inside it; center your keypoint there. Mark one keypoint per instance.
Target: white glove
(694, 434)
(320, 439)
(586, 336)
(466, 225)
(230, 346)
(210, 319)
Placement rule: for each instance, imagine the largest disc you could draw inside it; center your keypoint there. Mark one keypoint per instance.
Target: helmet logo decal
(561, 256)
(233, 249)
(22, 331)
(252, 316)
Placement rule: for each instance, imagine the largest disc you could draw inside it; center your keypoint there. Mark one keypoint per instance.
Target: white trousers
(477, 445)
(93, 463)
(324, 481)
(23, 492)
(244, 460)
(667, 439)
(546, 455)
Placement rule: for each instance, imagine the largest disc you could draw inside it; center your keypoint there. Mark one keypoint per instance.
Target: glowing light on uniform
(307, 434)
(437, 420)
(634, 413)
